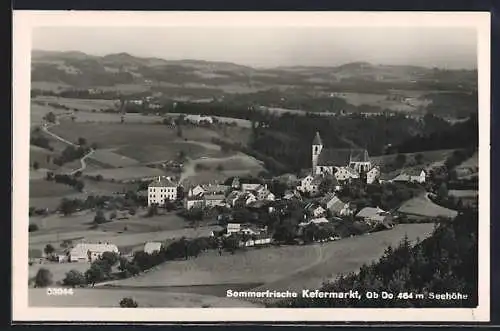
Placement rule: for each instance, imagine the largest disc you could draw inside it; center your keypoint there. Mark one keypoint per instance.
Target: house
(215, 189)
(197, 119)
(161, 190)
(152, 247)
(319, 220)
(326, 160)
(372, 175)
(310, 184)
(196, 191)
(233, 228)
(233, 197)
(195, 201)
(213, 200)
(289, 194)
(86, 252)
(346, 173)
(244, 183)
(373, 215)
(315, 210)
(411, 176)
(335, 205)
(246, 198)
(263, 193)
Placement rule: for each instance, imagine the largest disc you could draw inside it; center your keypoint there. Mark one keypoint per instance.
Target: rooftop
(162, 182)
(342, 157)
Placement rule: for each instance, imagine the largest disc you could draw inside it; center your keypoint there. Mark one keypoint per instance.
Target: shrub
(128, 303)
(43, 278)
(74, 278)
(32, 228)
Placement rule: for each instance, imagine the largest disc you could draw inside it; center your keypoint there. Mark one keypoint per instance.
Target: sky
(450, 47)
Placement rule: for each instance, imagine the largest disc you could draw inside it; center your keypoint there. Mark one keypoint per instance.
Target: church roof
(342, 157)
(317, 139)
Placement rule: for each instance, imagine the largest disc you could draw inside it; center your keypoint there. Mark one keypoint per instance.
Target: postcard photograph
(330, 166)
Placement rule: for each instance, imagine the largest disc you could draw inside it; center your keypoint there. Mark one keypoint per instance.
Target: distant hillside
(78, 69)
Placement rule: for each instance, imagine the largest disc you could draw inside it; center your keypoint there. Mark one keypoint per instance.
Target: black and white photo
(251, 161)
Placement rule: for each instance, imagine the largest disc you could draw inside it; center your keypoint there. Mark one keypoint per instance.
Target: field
(58, 270)
(129, 173)
(422, 206)
(380, 100)
(109, 158)
(80, 104)
(49, 86)
(131, 231)
(40, 155)
(37, 113)
(428, 158)
(145, 298)
(43, 188)
(289, 267)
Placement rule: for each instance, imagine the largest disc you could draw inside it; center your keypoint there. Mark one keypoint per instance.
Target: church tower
(317, 146)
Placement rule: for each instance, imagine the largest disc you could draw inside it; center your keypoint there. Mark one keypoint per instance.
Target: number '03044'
(59, 291)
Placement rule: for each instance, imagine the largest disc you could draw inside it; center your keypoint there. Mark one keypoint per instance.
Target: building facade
(161, 190)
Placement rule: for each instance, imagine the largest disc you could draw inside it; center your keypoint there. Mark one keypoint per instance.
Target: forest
(445, 262)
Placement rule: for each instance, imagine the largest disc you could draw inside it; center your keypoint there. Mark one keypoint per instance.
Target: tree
(400, 160)
(74, 278)
(93, 146)
(36, 165)
(68, 206)
(128, 303)
(43, 278)
(79, 185)
(82, 141)
(110, 258)
(50, 117)
(95, 273)
(99, 218)
(442, 191)
(419, 158)
(179, 131)
(219, 167)
(152, 210)
(49, 249)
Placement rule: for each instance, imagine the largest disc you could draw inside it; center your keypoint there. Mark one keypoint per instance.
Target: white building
(213, 200)
(372, 175)
(152, 247)
(85, 252)
(197, 119)
(413, 176)
(161, 190)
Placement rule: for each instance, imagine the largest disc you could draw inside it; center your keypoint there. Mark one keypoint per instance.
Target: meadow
(422, 206)
(80, 104)
(98, 297)
(286, 267)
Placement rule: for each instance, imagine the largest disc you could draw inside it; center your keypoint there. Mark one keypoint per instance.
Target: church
(344, 163)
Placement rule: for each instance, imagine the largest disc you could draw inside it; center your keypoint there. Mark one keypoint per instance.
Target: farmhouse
(373, 215)
(310, 184)
(194, 201)
(196, 191)
(314, 210)
(215, 189)
(197, 119)
(213, 200)
(414, 176)
(335, 205)
(90, 252)
(152, 247)
(263, 193)
(161, 190)
(244, 183)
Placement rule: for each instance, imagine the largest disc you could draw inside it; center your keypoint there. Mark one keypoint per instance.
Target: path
(45, 128)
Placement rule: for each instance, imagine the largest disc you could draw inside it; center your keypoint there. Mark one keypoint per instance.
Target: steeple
(317, 139)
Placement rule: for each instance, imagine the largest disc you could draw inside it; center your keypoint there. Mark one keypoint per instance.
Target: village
(248, 211)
